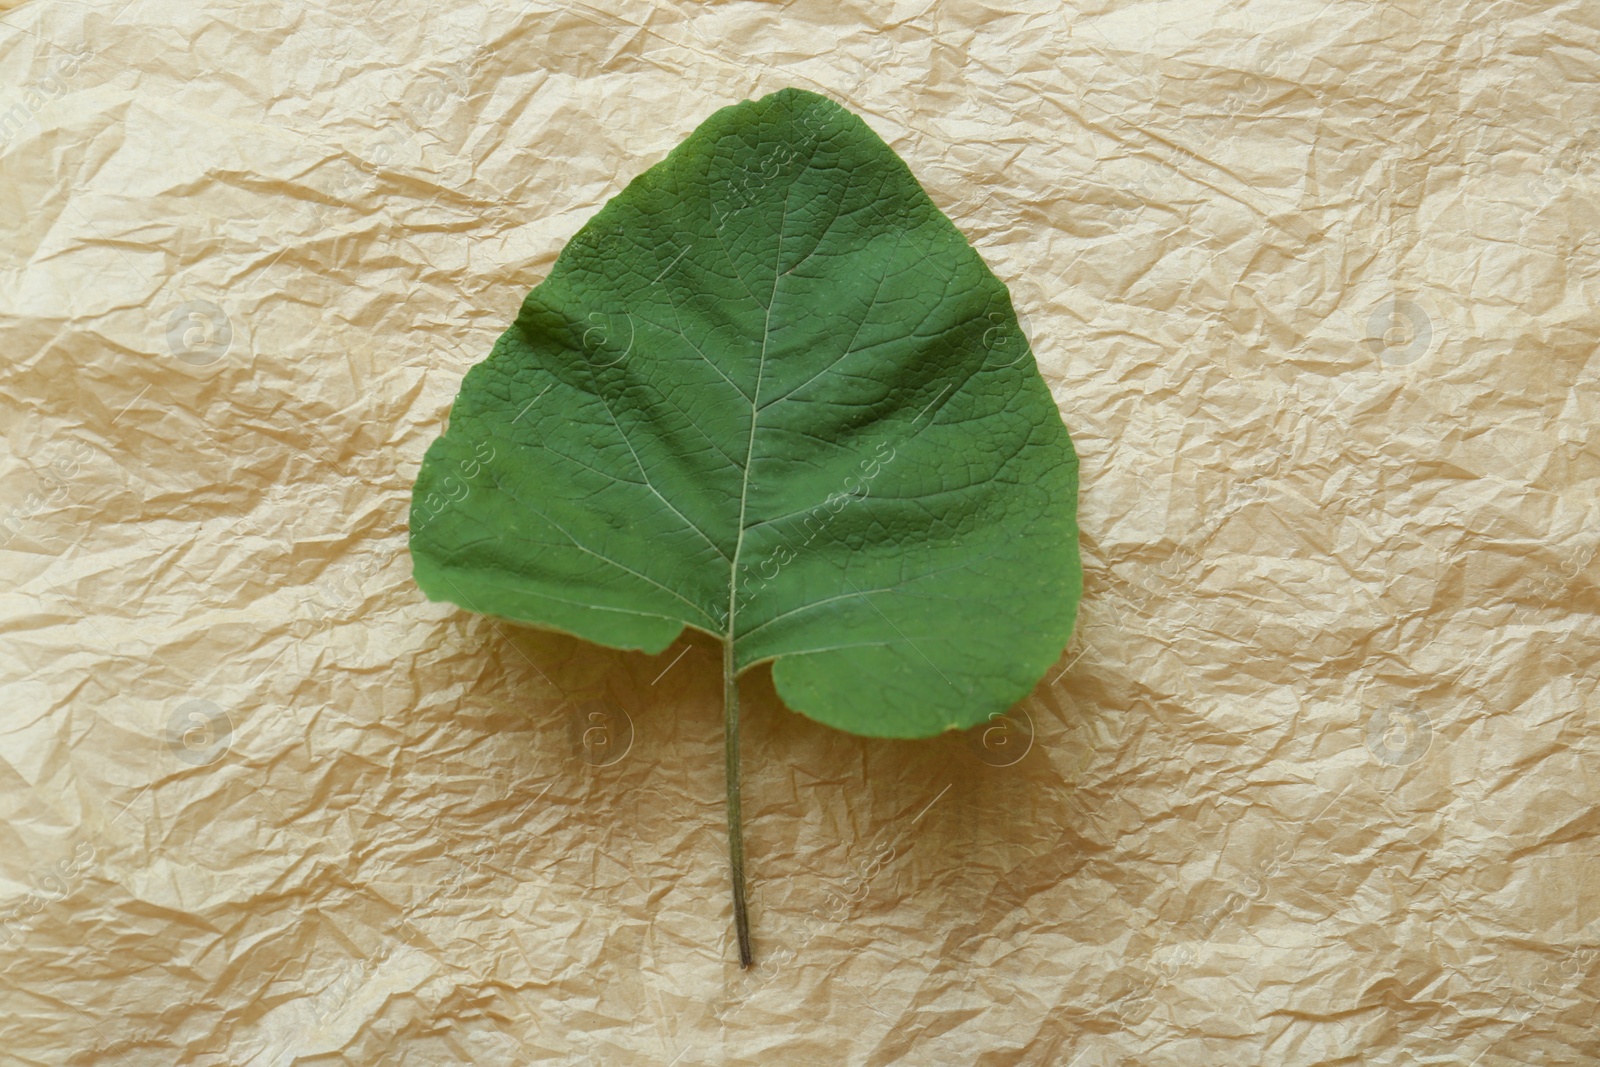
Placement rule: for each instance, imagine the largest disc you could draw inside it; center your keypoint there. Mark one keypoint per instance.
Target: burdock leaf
(770, 392)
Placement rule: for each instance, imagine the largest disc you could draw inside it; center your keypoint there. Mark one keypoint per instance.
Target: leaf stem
(730, 731)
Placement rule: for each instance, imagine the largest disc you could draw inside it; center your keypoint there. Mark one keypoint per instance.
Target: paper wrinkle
(1312, 783)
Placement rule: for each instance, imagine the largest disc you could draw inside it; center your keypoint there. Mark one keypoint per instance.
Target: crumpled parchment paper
(1315, 286)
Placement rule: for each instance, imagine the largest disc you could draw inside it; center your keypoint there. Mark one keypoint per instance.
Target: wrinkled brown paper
(1315, 287)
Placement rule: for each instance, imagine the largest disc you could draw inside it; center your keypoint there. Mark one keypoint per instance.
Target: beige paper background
(1315, 287)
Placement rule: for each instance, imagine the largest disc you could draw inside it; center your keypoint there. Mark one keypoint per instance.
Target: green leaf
(770, 392)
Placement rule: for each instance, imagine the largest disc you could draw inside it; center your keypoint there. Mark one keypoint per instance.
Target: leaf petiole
(730, 730)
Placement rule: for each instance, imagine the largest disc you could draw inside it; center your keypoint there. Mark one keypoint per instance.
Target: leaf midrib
(755, 414)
